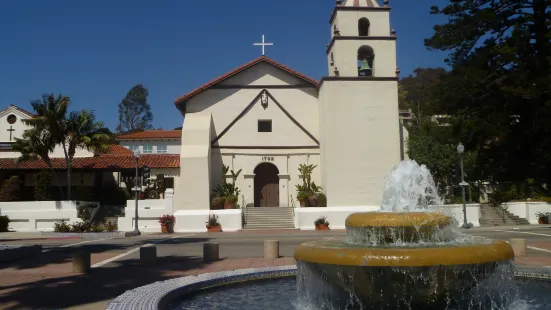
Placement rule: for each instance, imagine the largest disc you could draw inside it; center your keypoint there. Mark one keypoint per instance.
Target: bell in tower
(365, 69)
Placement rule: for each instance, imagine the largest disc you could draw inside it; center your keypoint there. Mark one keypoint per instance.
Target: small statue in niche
(264, 100)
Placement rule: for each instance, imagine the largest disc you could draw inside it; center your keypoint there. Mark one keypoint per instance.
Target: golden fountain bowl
(390, 227)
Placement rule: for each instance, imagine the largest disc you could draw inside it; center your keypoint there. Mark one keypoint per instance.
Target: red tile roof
(103, 161)
(242, 68)
(19, 109)
(152, 134)
(115, 149)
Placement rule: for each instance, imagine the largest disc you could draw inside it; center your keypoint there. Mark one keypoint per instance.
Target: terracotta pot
(302, 203)
(214, 229)
(229, 205)
(167, 228)
(543, 220)
(322, 227)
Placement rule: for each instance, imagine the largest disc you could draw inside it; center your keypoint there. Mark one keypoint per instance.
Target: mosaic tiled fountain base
(274, 288)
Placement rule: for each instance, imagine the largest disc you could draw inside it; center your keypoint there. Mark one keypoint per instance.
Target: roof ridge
(239, 69)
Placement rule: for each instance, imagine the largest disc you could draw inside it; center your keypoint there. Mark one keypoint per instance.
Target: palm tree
(36, 144)
(81, 130)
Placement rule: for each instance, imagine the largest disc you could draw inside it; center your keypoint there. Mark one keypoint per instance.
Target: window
(363, 27)
(133, 148)
(264, 125)
(147, 149)
(161, 149)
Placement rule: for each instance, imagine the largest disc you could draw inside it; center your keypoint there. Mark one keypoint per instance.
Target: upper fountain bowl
(377, 228)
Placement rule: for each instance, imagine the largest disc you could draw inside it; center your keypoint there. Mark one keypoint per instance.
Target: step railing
(500, 211)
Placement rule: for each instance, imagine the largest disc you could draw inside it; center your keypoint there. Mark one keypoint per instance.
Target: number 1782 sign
(267, 158)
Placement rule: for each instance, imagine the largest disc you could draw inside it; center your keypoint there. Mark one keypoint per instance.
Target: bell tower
(359, 122)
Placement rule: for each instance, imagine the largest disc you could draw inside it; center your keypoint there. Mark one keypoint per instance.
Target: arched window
(363, 27)
(366, 56)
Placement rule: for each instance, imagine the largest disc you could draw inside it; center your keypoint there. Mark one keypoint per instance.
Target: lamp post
(461, 150)
(137, 189)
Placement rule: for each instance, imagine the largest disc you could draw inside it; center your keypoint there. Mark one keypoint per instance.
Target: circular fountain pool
(281, 294)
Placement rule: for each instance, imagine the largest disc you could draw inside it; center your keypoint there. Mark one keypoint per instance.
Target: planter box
(91, 235)
(214, 229)
(543, 220)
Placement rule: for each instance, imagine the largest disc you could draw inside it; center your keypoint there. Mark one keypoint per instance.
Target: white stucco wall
(172, 146)
(360, 140)
(19, 128)
(528, 210)
(347, 22)
(287, 162)
(226, 104)
(345, 55)
(40, 215)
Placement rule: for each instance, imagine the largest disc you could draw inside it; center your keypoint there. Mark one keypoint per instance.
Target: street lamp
(137, 189)
(461, 150)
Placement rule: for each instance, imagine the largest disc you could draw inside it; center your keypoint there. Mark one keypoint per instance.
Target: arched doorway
(266, 185)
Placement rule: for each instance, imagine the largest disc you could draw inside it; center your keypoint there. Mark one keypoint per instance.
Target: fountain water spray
(408, 255)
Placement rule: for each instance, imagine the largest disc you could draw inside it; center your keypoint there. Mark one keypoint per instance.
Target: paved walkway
(48, 282)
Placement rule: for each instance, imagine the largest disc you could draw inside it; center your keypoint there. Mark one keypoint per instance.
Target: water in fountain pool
(281, 294)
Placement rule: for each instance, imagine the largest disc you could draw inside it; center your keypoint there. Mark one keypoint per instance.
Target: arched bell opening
(363, 27)
(366, 56)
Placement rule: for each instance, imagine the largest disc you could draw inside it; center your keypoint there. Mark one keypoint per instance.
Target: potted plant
(230, 202)
(226, 193)
(212, 224)
(322, 223)
(543, 217)
(167, 223)
(217, 203)
(308, 193)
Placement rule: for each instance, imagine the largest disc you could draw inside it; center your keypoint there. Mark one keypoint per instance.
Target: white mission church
(266, 119)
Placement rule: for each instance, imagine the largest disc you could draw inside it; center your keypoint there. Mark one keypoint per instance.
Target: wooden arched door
(266, 185)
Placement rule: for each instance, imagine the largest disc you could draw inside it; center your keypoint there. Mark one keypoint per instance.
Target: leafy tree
(134, 111)
(42, 188)
(415, 91)
(11, 189)
(81, 130)
(52, 127)
(500, 54)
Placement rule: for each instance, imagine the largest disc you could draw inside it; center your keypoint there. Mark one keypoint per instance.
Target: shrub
(213, 221)
(42, 189)
(110, 226)
(62, 226)
(4, 223)
(321, 221)
(80, 227)
(11, 189)
(217, 203)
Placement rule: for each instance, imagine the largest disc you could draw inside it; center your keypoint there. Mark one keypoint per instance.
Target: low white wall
(40, 215)
(456, 210)
(305, 217)
(336, 216)
(196, 220)
(528, 210)
(149, 212)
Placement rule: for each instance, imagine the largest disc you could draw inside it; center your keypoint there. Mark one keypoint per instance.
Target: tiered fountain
(408, 255)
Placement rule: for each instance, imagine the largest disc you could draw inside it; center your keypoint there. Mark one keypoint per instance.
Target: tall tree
(416, 91)
(500, 54)
(81, 130)
(134, 111)
(45, 133)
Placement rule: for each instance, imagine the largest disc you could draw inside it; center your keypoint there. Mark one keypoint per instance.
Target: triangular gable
(250, 105)
(14, 109)
(179, 102)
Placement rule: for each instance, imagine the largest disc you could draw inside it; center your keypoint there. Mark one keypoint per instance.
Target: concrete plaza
(48, 282)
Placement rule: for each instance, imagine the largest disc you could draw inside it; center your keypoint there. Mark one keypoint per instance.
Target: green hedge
(4, 223)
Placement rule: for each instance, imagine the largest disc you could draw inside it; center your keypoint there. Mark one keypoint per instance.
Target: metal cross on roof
(263, 44)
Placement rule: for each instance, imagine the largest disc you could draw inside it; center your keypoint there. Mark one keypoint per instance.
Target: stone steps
(489, 216)
(269, 218)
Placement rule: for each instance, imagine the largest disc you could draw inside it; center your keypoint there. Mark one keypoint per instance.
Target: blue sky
(94, 51)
